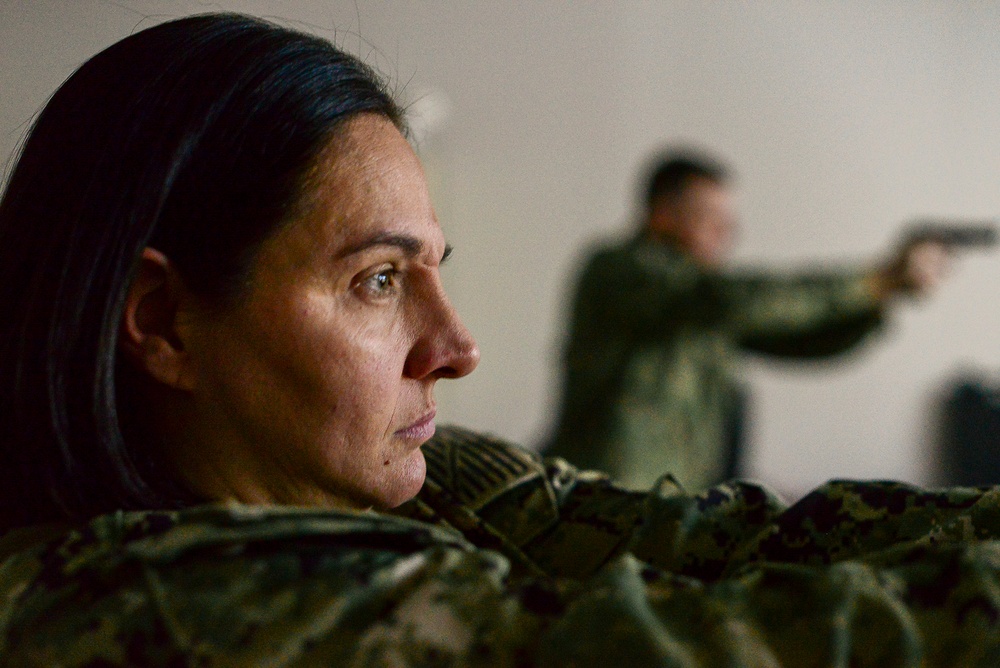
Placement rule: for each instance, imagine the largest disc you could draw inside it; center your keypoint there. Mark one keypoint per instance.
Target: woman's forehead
(367, 182)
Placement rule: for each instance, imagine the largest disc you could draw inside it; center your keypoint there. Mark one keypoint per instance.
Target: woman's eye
(382, 283)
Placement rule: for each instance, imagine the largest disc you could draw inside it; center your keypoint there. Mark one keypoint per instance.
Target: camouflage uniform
(508, 561)
(650, 381)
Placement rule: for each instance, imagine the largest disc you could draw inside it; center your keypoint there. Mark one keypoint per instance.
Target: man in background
(651, 380)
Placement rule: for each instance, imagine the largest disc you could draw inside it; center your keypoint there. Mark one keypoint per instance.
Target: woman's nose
(445, 349)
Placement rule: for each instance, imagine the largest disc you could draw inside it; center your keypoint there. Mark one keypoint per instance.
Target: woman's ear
(149, 334)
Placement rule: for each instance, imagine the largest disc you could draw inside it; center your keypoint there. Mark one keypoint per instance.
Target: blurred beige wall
(841, 119)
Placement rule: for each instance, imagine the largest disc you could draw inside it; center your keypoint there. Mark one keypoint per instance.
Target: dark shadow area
(969, 434)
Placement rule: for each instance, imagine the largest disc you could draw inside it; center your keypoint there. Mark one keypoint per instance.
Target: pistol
(954, 233)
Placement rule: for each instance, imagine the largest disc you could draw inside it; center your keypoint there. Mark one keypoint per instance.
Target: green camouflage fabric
(651, 378)
(508, 560)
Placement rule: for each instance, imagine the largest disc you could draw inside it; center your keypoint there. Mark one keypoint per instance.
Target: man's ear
(149, 334)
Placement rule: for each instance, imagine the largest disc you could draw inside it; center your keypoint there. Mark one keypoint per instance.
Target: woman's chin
(402, 481)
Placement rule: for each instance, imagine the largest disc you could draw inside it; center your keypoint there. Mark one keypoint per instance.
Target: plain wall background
(842, 120)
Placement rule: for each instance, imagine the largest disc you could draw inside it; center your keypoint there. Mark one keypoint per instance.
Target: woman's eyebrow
(411, 246)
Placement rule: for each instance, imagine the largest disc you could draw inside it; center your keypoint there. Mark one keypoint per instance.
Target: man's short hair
(671, 172)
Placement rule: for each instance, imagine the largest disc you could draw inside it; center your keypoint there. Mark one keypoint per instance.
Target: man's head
(689, 205)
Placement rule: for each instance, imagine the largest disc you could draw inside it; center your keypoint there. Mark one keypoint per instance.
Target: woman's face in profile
(318, 386)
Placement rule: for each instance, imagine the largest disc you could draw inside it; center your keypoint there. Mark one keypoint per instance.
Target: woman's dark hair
(192, 137)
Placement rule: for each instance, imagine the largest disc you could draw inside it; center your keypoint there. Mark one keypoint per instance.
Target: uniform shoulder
(189, 587)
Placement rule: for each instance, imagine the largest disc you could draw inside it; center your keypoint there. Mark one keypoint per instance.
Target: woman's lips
(421, 430)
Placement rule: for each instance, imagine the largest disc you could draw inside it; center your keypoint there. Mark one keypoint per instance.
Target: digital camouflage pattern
(651, 377)
(506, 560)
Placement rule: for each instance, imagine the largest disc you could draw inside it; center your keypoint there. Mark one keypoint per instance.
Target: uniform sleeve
(854, 574)
(809, 315)
(651, 290)
(553, 520)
